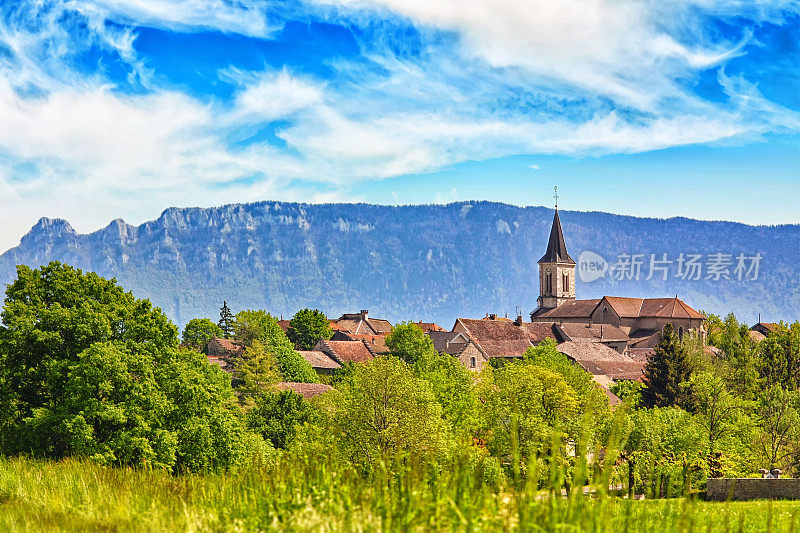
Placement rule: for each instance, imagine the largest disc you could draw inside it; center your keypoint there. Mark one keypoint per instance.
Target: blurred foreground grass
(291, 494)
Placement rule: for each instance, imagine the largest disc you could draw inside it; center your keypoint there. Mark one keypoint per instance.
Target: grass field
(82, 496)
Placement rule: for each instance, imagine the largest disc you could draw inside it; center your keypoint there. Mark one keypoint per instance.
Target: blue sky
(120, 109)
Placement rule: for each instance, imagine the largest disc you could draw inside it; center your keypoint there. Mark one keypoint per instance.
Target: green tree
(628, 391)
(198, 332)
(779, 357)
(308, 326)
(111, 383)
(51, 315)
(383, 412)
(525, 403)
(666, 372)
(717, 408)
(276, 416)
(226, 321)
(408, 342)
(452, 385)
(256, 370)
(778, 417)
(261, 326)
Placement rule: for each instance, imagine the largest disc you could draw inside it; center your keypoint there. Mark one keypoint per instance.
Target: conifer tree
(667, 373)
(226, 321)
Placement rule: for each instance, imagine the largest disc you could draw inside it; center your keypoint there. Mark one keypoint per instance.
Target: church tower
(556, 271)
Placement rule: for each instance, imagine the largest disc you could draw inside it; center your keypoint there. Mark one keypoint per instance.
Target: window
(565, 277)
(472, 362)
(548, 282)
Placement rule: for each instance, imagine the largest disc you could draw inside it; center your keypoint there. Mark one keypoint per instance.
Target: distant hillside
(431, 262)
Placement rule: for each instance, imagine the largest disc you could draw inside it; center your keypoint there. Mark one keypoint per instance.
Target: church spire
(556, 247)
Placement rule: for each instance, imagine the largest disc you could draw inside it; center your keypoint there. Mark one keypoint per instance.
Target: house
(605, 364)
(764, 329)
(221, 352)
(459, 346)
(376, 343)
(428, 326)
(611, 336)
(503, 338)
(306, 390)
(362, 324)
(321, 362)
(344, 352)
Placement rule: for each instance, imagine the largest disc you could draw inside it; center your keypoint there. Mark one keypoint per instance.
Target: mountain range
(418, 262)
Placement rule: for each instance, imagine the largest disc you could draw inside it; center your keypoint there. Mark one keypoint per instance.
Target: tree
(199, 331)
(276, 416)
(261, 326)
(525, 403)
(308, 326)
(779, 357)
(778, 416)
(408, 342)
(87, 369)
(452, 385)
(383, 412)
(52, 314)
(226, 321)
(256, 370)
(666, 372)
(716, 407)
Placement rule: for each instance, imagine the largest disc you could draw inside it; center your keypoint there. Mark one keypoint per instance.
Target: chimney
(492, 317)
(364, 313)
(518, 321)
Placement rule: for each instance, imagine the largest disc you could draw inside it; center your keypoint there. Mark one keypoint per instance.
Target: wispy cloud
(485, 79)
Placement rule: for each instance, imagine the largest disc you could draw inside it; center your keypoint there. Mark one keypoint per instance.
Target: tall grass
(300, 493)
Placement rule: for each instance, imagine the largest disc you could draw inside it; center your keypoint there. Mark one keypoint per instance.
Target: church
(640, 320)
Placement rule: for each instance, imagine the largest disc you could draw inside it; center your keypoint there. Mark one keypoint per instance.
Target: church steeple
(556, 247)
(556, 270)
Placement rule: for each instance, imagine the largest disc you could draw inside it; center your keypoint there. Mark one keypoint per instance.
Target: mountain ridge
(431, 262)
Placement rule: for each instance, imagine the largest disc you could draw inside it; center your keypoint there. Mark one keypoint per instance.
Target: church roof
(556, 247)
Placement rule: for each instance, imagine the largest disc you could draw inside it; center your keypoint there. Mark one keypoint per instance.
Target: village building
(761, 330)
(376, 343)
(641, 319)
(459, 346)
(344, 352)
(306, 390)
(503, 338)
(322, 363)
(362, 324)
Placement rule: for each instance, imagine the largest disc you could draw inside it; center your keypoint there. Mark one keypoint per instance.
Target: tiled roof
(443, 339)
(284, 324)
(572, 309)
(651, 307)
(597, 358)
(640, 355)
(218, 347)
(644, 338)
(318, 359)
(306, 390)
(428, 326)
(497, 338)
(769, 326)
(361, 324)
(593, 332)
(346, 351)
(538, 331)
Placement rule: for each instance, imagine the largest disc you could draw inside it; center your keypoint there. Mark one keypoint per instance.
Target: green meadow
(289, 494)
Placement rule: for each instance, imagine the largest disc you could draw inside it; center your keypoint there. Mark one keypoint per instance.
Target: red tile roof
(538, 331)
(219, 347)
(428, 326)
(651, 307)
(497, 338)
(597, 358)
(571, 309)
(306, 390)
(318, 359)
(591, 332)
(346, 351)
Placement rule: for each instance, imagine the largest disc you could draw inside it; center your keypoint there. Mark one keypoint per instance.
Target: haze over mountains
(426, 262)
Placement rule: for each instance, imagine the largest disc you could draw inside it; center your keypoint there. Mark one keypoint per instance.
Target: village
(611, 338)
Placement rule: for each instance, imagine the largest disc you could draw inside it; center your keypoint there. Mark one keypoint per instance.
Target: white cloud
(524, 78)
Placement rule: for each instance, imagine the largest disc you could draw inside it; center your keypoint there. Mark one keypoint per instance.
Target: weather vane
(555, 195)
